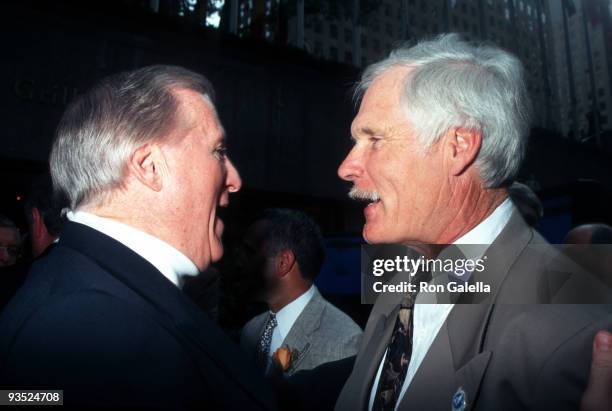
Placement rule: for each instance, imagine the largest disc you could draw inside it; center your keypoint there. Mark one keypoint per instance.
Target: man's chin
(370, 236)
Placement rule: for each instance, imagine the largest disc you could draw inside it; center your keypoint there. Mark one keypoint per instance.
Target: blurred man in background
(10, 242)
(285, 251)
(43, 211)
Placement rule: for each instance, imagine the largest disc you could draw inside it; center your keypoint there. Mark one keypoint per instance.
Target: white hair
(101, 128)
(458, 84)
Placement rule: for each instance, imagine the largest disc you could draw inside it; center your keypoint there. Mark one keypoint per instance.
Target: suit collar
(172, 263)
(175, 311)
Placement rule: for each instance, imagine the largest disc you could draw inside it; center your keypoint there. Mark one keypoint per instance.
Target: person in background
(10, 242)
(43, 210)
(598, 395)
(284, 250)
(595, 233)
(527, 203)
(590, 245)
(12, 265)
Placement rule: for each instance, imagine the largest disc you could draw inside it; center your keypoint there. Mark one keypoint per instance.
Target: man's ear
(37, 221)
(284, 262)
(146, 164)
(463, 146)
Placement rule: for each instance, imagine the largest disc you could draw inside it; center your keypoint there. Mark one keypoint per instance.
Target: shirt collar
(173, 264)
(286, 316)
(475, 242)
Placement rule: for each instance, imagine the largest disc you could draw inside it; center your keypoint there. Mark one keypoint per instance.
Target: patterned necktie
(263, 351)
(399, 351)
(396, 362)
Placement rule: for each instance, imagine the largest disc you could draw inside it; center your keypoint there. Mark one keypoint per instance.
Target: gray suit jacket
(506, 352)
(322, 333)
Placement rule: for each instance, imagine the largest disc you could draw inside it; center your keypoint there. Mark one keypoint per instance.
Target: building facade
(581, 43)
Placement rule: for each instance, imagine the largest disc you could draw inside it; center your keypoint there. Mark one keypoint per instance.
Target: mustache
(357, 193)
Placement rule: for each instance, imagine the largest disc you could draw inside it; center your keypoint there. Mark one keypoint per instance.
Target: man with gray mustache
(440, 134)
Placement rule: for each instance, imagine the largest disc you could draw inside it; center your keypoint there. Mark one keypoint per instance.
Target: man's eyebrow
(367, 131)
(222, 137)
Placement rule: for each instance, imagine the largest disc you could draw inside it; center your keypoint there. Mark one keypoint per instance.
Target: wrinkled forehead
(9, 236)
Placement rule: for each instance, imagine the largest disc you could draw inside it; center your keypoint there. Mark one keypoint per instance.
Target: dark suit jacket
(98, 321)
(506, 352)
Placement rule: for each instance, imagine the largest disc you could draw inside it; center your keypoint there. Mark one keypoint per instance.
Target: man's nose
(352, 166)
(232, 180)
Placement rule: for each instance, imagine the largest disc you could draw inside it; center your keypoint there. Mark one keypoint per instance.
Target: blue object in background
(340, 273)
(557, 219)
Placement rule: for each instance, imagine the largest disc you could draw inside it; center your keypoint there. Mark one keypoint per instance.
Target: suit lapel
(501, 255)
(255, 336)
(309, 320)
(174, 310)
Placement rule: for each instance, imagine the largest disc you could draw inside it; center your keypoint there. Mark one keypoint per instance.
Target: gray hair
(458, 84)
(101, 128)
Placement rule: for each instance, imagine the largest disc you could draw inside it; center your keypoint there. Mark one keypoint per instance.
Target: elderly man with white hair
(440, 134)
(142, 159)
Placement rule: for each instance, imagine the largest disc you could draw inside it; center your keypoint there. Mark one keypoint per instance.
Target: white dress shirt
(286, 316)
(429, 318)
(173, 264)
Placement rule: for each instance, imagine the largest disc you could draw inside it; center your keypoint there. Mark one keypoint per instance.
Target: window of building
(333, 31)
(333, 53)
(600, 92)
(602, 106)
(348, 57)
(364, 41)
(376, 44)
(348, 35)
(318, 26)
(318, 48)
(389, 29)
(387, 10)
